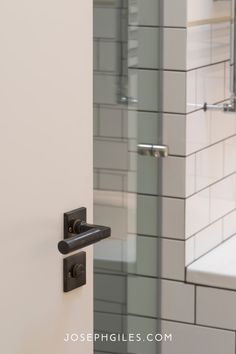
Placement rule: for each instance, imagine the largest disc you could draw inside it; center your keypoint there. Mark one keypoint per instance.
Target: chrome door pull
(153, 150)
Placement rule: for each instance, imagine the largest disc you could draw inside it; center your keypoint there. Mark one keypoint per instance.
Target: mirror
(231, 105)
(233, 56)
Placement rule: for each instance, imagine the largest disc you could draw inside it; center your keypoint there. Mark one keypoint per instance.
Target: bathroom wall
(201, 319)
(210, 136)
(187, 200)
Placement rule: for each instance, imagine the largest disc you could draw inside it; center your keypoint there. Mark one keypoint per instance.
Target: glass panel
(126, 184)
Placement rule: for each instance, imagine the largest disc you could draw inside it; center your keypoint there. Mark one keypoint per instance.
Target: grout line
(213, 248)
(161, 237)
(158, 26)
(199, 325)
(104, 351)
(164, 319)
(211, 185)
(160, 196)
(160, 69)
(209, 65)
(110, 301)
(193, 194)
(168, 279)
(205, 148)
(125, 139)
(212, 286)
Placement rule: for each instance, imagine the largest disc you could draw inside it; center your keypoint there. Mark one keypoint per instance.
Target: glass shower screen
(127, 178)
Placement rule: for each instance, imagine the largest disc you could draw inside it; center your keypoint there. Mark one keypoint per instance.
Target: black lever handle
(79, 234)
(90, 234)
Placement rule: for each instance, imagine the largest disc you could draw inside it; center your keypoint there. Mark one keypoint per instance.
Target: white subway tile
(220, 41)
(174, 49)
(229, 225)
(108, 93)
(208, 238)
(109, 287)
(174, 92)
(223, 125)
(142, 296)
(147, 175)
(197, 212)
(132, 157)
(105, 22)
(110, 122)
(172, 260)
(148, 207)
(176, 142)
(198, 46)
(104, 322)
(177, 301)
(173, 216)
(145, 261)
(109, 255)
(131, 181)
(230, 156)
(216, 308)
(111, 181)
(208, 9)
(228, 81)
(110, 154)
(116, 219)
(146, 84)
(148, 47)
(133, 86)
(191, 91)
(210, 84)
(173, 177)
(109, 307)
(148, 128)
(189, 250)
(197, 131)
(195, 339)
(169, 223)
(190, 177)
(223, 197)
(175, 14)
(144, 13)
(108, 52)
(143, 326)
(209, 166)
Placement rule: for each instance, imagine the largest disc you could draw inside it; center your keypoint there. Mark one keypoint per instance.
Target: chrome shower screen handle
(78, 234)
(153, 150)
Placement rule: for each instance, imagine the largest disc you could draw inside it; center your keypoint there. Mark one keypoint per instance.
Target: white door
(46, 170)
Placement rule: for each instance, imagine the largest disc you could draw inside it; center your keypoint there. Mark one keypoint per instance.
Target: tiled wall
(202, 319)
(194, 188)
(210, 138)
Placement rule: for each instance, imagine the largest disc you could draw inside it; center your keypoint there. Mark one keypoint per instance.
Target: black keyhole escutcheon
(74, 271)
(77, 270)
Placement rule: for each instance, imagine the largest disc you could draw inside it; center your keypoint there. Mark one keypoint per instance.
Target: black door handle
(79, 234)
